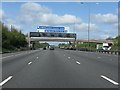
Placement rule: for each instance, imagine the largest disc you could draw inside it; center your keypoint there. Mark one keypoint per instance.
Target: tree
(109, 38)
(12, 39)
(116, 45)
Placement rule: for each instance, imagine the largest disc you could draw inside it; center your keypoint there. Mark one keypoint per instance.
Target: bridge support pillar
(29, 45)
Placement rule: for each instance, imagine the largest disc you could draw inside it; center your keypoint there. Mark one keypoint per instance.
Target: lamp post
(89, 21)
(89, 11)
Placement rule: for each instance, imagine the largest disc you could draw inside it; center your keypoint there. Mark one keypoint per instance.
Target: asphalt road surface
(59, 69)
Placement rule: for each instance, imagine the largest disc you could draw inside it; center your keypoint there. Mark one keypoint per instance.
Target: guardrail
(116, 52)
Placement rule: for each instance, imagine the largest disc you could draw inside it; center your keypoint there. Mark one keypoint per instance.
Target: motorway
(59, 69)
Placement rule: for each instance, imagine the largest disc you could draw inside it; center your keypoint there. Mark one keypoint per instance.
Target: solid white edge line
(29, 63)
(113, 82)
(7, 56)
(77, 62)
(12, 55)
(19, 54)
(6, 80)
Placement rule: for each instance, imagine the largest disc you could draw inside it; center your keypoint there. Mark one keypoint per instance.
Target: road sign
(52, 34)
(51, 29)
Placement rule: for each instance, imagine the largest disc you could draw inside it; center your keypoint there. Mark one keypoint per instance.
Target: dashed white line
(29, 63)
(106, 78)
(78, 62)
(6, 80)
(68, 57)
(98, 57)
(19, 54)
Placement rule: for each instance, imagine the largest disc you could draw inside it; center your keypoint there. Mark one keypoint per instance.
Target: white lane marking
(7, 56)
(68, 57)
(37, 57)
(19, 54)
(6, 80)
(113, 82)
(98, 57)
(77, 62)
(29, 63)
(12, 55)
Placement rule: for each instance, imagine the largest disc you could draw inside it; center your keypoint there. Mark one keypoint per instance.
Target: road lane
(14, 64)
(106, 58)
(99, 66)
(53, 69)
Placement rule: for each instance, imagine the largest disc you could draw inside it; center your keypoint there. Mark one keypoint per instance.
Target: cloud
(34, 7)
(2, 14)
(84, 27)
(7, 21)
(105, 18)
(10, 22)
(37, 14)
(33, 14)
(116, 25)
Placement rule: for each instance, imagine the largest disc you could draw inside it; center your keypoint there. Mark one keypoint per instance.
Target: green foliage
(61, 44)
(116, 45)
(40, 45)
(87, 45)
(12, 39)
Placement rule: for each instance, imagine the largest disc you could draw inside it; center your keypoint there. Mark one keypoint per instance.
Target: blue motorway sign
(56, 30)
(52, 29)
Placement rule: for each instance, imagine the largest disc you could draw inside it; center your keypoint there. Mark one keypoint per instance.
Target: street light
(88, 24)
(89, 21)
(89, 11)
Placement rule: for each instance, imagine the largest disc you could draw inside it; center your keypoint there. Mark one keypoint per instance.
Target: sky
(27, 16)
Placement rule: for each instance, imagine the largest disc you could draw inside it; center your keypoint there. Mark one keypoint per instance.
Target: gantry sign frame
(51, 36)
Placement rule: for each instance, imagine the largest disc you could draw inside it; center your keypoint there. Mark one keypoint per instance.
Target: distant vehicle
(62, 47)
(44, 48)
(106, 46)
(51, 48)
